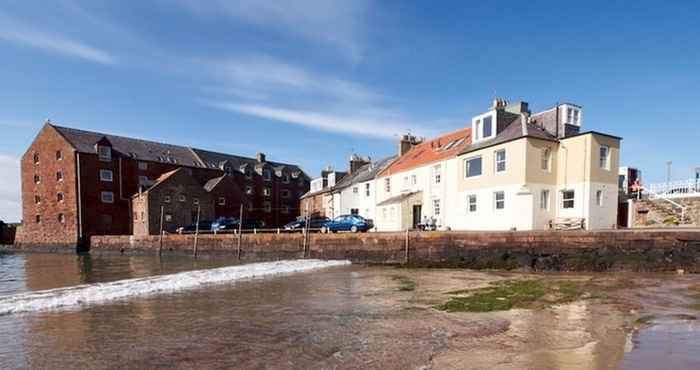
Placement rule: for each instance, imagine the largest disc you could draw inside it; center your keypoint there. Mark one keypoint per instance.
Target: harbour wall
(628, 250)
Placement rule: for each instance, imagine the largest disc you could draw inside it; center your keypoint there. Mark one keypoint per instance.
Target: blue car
(352, 223)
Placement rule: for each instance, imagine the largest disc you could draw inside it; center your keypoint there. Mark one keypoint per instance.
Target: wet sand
(353, 317)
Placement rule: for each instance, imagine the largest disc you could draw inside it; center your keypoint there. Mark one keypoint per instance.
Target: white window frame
(195, 201)
(107, 197)
(564, 200)
(599, 198)
(472, 205)
(436, 207)
(466, 167)
(544, 199)
(604, 160)
(496, 161)
(437, 174)
(106, 176)
(222, 201)
(546, 160)
(167, 199)
(267, 192)
(182, 198)
(59, 175)
(496, 201)
(104, 153)
(248, 189)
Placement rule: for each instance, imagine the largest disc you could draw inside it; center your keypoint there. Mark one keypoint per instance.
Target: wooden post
(407, 246)
(160, 241)
(305, 231)
(196, 231)
(240, 231)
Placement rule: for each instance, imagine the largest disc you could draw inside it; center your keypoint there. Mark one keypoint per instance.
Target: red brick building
(77, 183)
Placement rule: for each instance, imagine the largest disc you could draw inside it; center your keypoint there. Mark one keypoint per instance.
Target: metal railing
(654, 195)
(675, 189)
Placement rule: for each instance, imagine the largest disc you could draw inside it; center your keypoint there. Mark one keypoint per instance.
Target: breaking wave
(104, 292)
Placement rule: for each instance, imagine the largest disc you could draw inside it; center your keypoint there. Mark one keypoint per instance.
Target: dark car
(315, 223)
(203, 226)
(352, 223)
(231, 224)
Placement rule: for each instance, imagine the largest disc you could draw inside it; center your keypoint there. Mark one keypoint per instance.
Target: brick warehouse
(76, 184)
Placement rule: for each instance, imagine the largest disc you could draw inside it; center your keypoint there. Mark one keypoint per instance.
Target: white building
(355, 193)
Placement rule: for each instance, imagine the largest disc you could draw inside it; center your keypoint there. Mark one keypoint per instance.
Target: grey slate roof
(84, 142)
(514, 130)
(398, 198)
(364, 173)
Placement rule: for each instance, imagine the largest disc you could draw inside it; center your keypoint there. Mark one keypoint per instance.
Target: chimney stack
(356, 162)
(499, 103)
(518, 107)
(407, 142)
(260, 157)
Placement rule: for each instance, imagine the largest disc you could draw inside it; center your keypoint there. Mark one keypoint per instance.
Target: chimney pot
(260, 157)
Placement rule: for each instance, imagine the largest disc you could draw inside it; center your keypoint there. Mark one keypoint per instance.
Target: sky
(312, 81)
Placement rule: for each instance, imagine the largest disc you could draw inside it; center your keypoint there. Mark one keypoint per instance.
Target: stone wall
(540, 250)
(659, 213)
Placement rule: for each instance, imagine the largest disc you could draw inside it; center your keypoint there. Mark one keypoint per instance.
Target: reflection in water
(346, 318)
(669, 344)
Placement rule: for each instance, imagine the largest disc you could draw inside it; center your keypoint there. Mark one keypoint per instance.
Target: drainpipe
(557, 120)
(586, 182)
(121, 197)
(79, 198)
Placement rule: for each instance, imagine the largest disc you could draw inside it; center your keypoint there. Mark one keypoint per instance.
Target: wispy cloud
(21, 34)
(369, 124)
(337, 23)
(10, 207)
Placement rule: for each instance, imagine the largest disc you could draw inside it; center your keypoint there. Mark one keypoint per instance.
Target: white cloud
(21, 34)
(337, 23)
(10, 206)
(372, 124)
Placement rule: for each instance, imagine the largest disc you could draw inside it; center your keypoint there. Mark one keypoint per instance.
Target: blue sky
(311, 81)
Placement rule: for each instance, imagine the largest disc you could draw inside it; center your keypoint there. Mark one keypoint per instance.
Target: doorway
(417, 210)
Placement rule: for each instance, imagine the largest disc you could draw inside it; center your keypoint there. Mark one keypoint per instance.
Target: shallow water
(339, 318)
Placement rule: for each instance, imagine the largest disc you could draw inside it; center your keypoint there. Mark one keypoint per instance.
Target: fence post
(240, 231)
(196, 232)
(160, 240)
(406, 246)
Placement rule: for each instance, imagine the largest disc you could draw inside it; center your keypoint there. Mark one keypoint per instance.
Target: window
(195, 201)
(500, 161)
(499, 200)
(248, 173)
(576, 117)
(267, 206)
(36, 158)
(414, 179)
(367, 190)
(478, 130)
(599, 198)
(59, 155)
(105, 153)
(37, 218)
(284, 193)
(37, 199)
(355, 190)
(605, 157)
(384, 215)
(570, 115)
(405, 182)
(107, 197)
(182, 198)
(285, 209)
(567, 199)
(472, 167)
(59, 197)
(143, 166)
(267, 175)
(228, 170)
(267, 192)
(488, 129)
(471, 203)
(222, 201)
(249, 190)
(168, 217)
(544, 199)
(61, 218)
(136, 216)
(387, 185)
(436, 207)
(59, 176)
(166, 199)
(546, 159)
(37, 179)
(285, 178)
(437, 174)
(106, 175)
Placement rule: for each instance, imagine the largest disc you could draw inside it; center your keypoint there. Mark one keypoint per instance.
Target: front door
(416, 215)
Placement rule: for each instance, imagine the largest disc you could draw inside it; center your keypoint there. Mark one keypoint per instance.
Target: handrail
(656, 196)
(679, 187)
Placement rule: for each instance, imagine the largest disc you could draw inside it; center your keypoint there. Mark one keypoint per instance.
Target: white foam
(104, 292)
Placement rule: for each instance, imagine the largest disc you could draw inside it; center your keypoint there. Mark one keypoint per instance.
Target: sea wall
(647, 250)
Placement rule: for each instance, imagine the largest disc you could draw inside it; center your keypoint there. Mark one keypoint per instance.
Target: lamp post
(697, 179)
(668, 175)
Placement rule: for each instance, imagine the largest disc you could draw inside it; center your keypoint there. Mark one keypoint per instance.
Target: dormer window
(105, 153)
(571, 114)
(267, 175)
(483, 127)
(285, 178)
(228, 170)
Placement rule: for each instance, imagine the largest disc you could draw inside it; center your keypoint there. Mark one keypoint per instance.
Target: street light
(668, 174)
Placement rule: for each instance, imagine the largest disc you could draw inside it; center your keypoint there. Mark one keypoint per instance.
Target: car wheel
(354, 229)
(324, 230)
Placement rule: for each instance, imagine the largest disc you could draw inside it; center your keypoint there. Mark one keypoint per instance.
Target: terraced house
(508, 170)
(78, 183)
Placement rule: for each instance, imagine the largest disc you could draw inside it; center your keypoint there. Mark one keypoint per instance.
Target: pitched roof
(514, 130)
(398, 198)
(84, 142)
(160, 180)
(364, 173)
(439, 148)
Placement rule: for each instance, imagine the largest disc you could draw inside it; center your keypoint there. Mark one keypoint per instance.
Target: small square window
(37, 199)
(472, 167)
(500, 161)
(168, 217)
(37, 219)
(567, 199)
(59, 197)
(222, 201)
(61, 218)
(143, 166)
(36, 158)
(471, 200)
(107, 197)
(59, 176)
(106, 175)
(59, 155)
(166, 199)
(37, 179)
(499, 199)
(104, 153)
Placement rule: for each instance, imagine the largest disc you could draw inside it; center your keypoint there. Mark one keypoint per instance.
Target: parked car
(231, 224)
(352, 223)
(203, 226)
(300, 223)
